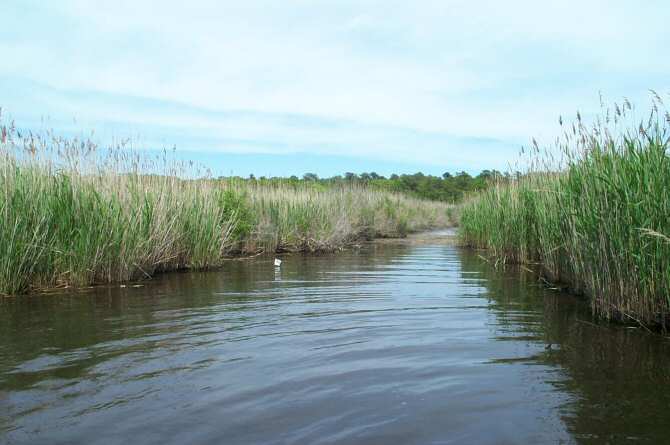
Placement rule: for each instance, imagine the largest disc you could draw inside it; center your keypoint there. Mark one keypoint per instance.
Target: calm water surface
(422, 344)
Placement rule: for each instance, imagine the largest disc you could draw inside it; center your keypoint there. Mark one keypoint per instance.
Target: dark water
(387, 345)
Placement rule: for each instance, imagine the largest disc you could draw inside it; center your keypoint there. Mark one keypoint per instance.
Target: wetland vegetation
(593, 211)
(449, 187)
(75, 214)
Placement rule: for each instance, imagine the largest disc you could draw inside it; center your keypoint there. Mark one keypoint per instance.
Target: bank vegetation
(74, 214)
(592, 212)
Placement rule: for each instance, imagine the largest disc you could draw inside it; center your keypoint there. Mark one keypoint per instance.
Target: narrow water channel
(389, 344)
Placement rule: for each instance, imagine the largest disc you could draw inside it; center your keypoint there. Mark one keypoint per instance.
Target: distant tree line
(448, 187)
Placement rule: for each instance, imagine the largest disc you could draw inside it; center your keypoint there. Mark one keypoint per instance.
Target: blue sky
(281, 88)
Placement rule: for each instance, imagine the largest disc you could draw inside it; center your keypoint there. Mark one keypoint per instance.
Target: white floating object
(277, 262)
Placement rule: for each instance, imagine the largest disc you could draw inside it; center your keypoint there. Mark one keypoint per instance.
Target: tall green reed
(594, 210)
(74, 214)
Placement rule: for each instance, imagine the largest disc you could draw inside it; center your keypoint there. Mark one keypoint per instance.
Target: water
(416, 344)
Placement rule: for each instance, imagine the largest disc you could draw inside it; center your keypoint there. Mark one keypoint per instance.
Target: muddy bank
(447, 236)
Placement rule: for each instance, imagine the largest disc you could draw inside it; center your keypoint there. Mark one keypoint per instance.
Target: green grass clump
(73, 215)
(598, 219)
(289, 218)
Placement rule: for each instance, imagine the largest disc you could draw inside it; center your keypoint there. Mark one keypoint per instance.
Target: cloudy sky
(285, 87)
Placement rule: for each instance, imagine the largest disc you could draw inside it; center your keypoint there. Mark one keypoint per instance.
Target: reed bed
(325, 218)
(593, 211)
(74, 214)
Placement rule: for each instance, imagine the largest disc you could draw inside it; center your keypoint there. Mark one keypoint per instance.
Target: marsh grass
(74, 214)
(594, 211)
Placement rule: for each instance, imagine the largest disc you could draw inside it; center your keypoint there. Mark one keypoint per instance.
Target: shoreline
(435, 236)
(443, 236)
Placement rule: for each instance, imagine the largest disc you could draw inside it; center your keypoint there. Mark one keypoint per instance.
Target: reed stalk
(73, 214)
(593, 210)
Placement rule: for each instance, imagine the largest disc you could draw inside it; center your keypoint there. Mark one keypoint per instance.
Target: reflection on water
(389, 344)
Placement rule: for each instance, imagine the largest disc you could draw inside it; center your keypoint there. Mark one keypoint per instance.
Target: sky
(283, 88)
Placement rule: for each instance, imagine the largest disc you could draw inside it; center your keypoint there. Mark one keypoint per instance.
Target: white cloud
(462, 69)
